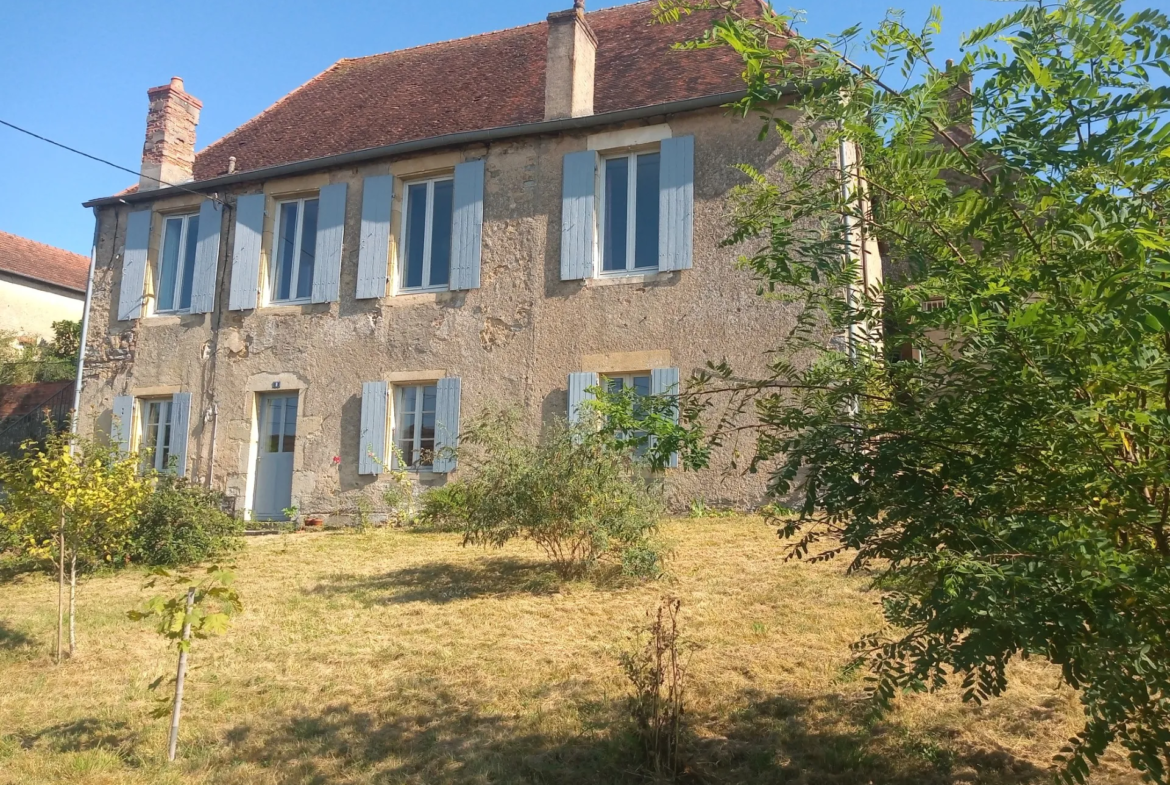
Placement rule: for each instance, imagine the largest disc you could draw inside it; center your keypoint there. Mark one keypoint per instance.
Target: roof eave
(417, 145)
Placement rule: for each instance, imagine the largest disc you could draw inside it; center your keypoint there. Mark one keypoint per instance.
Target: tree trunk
(72, 603)
(60, 586)
(179, 677)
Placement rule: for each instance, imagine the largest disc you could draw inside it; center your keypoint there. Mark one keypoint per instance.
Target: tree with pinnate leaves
(988, 431)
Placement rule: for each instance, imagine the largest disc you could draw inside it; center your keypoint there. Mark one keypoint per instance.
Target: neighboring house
(411, 237)
(39, 285)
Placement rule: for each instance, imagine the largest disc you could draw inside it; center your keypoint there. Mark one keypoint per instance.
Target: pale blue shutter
(122, 424)
(374, 251)
(372, 437)
(467, 226)
(446, 424)
(134, 265)
(330, 233)
(676, 203)
(206, 257)
(246, 252)
(664, 381)
(578, 199)
(579, 393)
(180, 427)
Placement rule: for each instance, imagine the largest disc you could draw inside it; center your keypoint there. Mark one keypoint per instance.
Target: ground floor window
(415, 429)
(640, 384)
(155, 440)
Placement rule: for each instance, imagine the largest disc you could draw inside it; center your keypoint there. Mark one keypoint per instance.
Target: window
(415, 433)
(176, 268)
(640, 384)
(426, 235)
(293, 255)
(280, 430)
(629, 213)
(155, 441)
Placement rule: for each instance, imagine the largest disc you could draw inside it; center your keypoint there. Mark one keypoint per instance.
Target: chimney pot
(168, 154)
(569, 64)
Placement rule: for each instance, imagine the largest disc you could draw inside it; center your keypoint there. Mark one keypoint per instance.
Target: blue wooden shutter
(664, 381)
(246, 252)
(180, 427)
(578, 199)
(206, 257)
(330, 233)
(467, 225)
(374, 251)
(134, 265)
(372, 437)
(446, 424)
(122, 424)
(676, 203)
(579, 393)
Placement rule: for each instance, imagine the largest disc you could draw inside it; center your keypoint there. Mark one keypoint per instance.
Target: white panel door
(274, 458)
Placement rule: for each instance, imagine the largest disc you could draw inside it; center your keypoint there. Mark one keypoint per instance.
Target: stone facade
(512, 342)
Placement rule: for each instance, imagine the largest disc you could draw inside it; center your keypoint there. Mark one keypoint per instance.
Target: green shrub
(443, 509)
(577, 496)
(182, 523)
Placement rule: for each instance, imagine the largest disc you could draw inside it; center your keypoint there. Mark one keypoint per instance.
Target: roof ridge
(24, 239)
(489, 32)
(273, 106)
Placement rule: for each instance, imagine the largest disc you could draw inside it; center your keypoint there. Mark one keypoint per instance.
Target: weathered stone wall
(513, 341)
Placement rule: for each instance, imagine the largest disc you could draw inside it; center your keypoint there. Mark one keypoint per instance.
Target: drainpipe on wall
(84, 333)
(214, 427)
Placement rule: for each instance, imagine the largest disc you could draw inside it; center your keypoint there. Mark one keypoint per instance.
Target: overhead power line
(104, 161)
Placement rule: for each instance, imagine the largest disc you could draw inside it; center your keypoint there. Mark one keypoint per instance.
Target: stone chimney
(169, 151)
(568, 70)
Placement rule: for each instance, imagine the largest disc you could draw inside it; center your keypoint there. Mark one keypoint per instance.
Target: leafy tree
(570, 493)
(989, 432)
(73, 503)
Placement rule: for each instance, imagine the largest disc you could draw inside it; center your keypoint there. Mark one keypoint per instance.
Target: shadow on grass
(11, 638)
(443, 582)
(826, 740)
(435, 736)
(82, 735)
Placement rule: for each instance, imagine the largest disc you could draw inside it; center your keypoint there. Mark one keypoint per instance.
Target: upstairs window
(294, 251)
(415, 433)
(155, 440)
(629, 213)
(426, 235)
(176, 268)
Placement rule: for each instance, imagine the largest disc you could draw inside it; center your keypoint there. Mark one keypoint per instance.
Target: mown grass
(397, 657)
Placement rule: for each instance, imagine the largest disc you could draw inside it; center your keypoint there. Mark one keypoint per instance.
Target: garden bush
(182, 523)
(579, 497)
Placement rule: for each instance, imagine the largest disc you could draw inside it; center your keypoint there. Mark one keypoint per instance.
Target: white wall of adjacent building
(30, 310)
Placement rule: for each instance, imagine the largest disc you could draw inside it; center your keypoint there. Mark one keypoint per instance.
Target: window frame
(399, 411)
(157, 454)
(631, 156)
(176, 294)
(627, 380)
(274, 255)
(428, 234)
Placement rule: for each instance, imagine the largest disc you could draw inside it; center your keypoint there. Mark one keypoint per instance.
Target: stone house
(408, 238)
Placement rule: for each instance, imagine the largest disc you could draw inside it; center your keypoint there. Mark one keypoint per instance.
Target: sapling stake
(181, 675)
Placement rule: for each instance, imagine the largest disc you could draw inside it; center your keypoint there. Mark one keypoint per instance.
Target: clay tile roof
(484, 81)
(42, 262)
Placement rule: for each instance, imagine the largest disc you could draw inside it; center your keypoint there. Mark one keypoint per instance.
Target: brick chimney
(169, 151)
(568, 70)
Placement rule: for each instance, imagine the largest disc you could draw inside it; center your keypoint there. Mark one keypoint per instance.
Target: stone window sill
(637, 279)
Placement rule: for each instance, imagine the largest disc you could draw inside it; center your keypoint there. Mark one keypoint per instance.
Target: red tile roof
(484, 81)
(43, 262)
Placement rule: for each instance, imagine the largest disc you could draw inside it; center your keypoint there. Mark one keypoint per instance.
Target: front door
(274, 458)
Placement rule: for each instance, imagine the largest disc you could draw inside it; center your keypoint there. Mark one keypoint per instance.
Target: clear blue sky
(77, 71)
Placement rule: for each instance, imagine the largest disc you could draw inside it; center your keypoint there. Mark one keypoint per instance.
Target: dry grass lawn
(397, 657)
